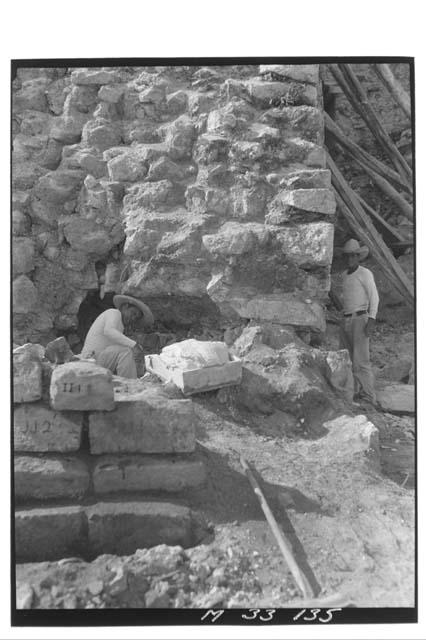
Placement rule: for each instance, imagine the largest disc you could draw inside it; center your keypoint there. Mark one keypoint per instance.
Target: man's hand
(369, 327)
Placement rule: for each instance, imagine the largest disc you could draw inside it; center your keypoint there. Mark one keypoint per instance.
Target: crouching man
(106, 342)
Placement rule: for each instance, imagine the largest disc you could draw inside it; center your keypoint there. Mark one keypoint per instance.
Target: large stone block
(22, 255)
(350, 435)
(122, 528)
(299, 72)
(27, 376)
(81, 386)
(39, 429)
(100, 134)
(180, 138)
(145, 422)
(49, 533)
(307, 179)
(281, 308)
(265, 94)
(43, 478)
(126, 167)
(289, 203)
(397, 398)
(304, 121)
(234, 238)
(113, 474)
(24, 295)
(308, 244)
(57, 187)
(93, 76)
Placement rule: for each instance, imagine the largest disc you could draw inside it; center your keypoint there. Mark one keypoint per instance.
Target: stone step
(44, 478)
(112, 474)
(51, 533)
(81, 386)
(397, 398)
(38, 428)
(144, 422)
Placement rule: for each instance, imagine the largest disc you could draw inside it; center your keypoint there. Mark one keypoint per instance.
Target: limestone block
(397, 370)
(24, 295)
(113, 474)
(247, 203)
(177, 102)
(92, 76)
(290, 202)
(350, 435)
(180, 138)
(235, 239)
(49, 533)
(56, 95)
(299, 72)
(20, 200)
(91, 236)
(307, 179)
(165, 169)
(111, 93)
(127, 168)
(57, 187)
(100, 134)
(264, 93)
(211, 148)
(81, 386)
(204, 199)
(58, 351)
(27, 376)
(23, 254)
(44, 478)
(146, 422)
(308, 244)
(123, 527)
(153, 195)
(152, 95)
(31, 95)
(67, 129)
(298, 150)
(302, 121)
(21, 223)
(397, 398)
(37, 428)
(281, 308)
(263, 133)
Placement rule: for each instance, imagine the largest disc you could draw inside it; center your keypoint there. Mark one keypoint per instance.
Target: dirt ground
(350, 520)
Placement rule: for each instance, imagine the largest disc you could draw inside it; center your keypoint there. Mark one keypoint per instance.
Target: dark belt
(355, 313)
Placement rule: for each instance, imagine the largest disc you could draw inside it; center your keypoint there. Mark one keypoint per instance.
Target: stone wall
(92, 455)
(204, 186)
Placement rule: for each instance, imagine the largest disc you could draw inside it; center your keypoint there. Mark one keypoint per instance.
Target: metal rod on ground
(283, 544)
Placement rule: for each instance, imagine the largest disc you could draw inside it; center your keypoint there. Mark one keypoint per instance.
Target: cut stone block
(307, 179)
(308, 244)
(121, 528)
(299, 72)
(82, 386)
(397, 398)
(287, 203)
(39, 429)
(145, 422)
(49, 533)
(27, 377)
(350, 435)
(147, 473)
(281, 308)
(53, 477)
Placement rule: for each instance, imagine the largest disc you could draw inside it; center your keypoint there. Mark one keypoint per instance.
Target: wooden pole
(392, 193)
(358, 99)
(283, 543)
(369, 116)
(396, 90)
(381, 220)
(362, 157)
(365, 230)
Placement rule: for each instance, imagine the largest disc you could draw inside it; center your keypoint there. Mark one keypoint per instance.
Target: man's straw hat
(353, 246)
(148, 318)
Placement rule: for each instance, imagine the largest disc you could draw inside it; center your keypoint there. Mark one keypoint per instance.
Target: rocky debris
(397, 398)
(81, 386)
(349, 435)
(145, 422)
(38, 428)
(161, 577)
(54, 477)
(398, 370)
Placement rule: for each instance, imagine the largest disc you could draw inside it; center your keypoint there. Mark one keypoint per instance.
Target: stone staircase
(90, 481)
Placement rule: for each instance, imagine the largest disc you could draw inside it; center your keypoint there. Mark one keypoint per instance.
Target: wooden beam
(359, 101)
(365, 230)
(381, 220)
(370, 118)
(362, 157)
(396, 90)
(404, 206)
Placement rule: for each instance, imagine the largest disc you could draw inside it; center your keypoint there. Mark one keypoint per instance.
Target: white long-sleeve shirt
(360, 292)
(106, 330)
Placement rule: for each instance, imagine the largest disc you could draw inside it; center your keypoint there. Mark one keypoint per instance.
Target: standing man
(106, 341)
(360, 304)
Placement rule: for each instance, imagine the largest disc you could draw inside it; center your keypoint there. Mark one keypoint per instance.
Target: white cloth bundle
(194, 354)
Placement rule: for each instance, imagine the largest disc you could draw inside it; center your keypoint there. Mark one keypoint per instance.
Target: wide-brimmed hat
(148, 318)
(353, 246)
